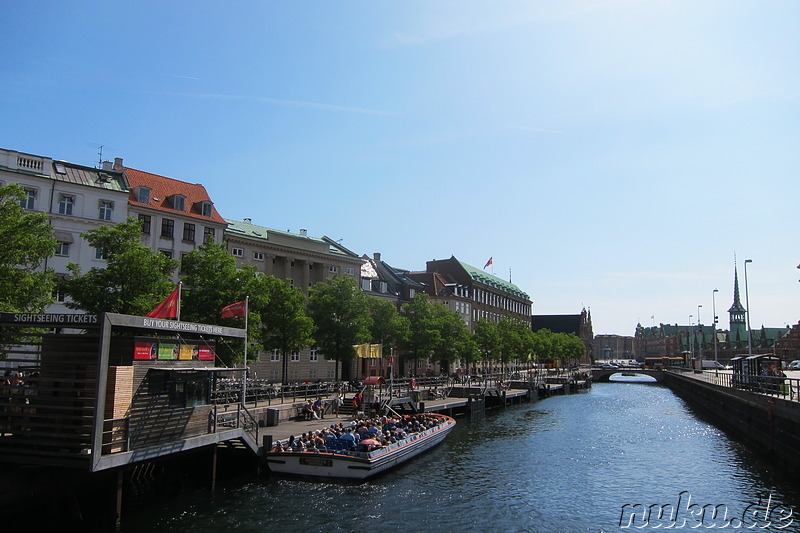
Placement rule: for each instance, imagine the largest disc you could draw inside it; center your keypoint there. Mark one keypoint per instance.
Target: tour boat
(358, 465)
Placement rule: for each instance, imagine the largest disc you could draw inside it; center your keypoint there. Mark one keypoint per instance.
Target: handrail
(776, 386)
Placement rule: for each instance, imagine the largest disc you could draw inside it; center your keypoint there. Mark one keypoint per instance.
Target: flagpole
(244, 383)
(178, 313)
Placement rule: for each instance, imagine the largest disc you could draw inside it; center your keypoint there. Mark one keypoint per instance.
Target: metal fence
(776, 386)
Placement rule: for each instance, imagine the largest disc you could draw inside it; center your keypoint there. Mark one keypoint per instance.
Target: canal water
(586, 462)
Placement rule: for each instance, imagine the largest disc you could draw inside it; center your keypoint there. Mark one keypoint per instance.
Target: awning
(374, 380)
(63, 236)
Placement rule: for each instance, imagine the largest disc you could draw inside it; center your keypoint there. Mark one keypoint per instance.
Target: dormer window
(143, 195)
(178, 202)
(206, 208)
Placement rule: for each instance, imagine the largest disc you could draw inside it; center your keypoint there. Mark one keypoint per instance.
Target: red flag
(237, 309)
(489, 262)
(169, 307)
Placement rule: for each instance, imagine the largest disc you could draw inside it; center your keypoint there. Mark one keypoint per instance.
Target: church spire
(737, 311)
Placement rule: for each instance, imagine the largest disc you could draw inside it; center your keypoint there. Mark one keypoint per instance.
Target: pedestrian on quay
(338, 401)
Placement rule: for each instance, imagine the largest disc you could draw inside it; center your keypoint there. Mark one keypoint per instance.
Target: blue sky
(612, 154)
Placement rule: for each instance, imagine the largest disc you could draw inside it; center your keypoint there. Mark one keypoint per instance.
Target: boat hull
(357, 465)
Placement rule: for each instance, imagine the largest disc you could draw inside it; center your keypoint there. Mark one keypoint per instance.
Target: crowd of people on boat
(362, 435)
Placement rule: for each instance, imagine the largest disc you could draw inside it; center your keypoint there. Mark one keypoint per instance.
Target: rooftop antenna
(99, 152)
(509, 274)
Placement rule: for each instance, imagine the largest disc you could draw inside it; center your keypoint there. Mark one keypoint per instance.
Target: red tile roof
(162, 190)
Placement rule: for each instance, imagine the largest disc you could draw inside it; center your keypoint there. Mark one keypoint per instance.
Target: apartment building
(76, 199)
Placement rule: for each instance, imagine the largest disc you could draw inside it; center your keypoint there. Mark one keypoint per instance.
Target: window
(100, 253)
(333, 269)
(167, 228)
(295, 357)
(237, 252)
(313, 356)
(145, 219)
(351, 271)
(62, 249)
(188, 232)
(205, 209)
(143, 196)
(184, 389)
(208, 235)
(258, 256)
(366, 284)
(106, 209)
(29, 201)
(178, 202)
(168, 253)
(275, 356)
(65, 203)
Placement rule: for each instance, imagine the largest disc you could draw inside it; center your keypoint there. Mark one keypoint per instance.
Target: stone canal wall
(768, 425)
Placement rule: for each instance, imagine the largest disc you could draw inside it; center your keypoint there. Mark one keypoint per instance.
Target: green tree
(285, 325)
(341, 315)
(487, 337)
(134, 279)
(212, 281)
(27, 243)
(389, 327)
(426, 331)
(456, 339)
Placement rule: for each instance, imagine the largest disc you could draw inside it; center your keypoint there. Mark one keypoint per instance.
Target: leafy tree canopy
(27, 243)
(134, 280)
(341, 314)
(212, 280)
(285, 325)
(389, 327)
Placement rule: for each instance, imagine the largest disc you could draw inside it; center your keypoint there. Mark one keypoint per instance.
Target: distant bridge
(601, 375)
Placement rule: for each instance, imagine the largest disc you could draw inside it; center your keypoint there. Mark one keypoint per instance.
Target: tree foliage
(426, 335)
(212, 281)
(134, 280)
(388, 326)
(340, 312)
(285, 325)
(27, 243)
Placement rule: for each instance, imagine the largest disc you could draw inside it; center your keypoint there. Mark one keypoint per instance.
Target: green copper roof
(254, 231)
(491, 280)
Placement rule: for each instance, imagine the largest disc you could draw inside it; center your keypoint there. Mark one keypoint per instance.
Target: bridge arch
(601, 375)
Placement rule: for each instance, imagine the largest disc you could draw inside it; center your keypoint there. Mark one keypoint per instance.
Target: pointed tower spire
(737, 311)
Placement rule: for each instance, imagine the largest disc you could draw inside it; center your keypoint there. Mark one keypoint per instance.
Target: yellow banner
(375, 351)
(369, 351)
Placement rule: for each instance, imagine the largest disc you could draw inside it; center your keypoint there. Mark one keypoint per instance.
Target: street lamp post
(714, 323)
(700, 340)
(691, 340)
(747, 302)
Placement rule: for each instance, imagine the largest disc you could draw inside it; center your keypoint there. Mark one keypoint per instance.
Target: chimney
(117, 163)
(247, 220)
(107, 165)
(377, 257)
(303, 233)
